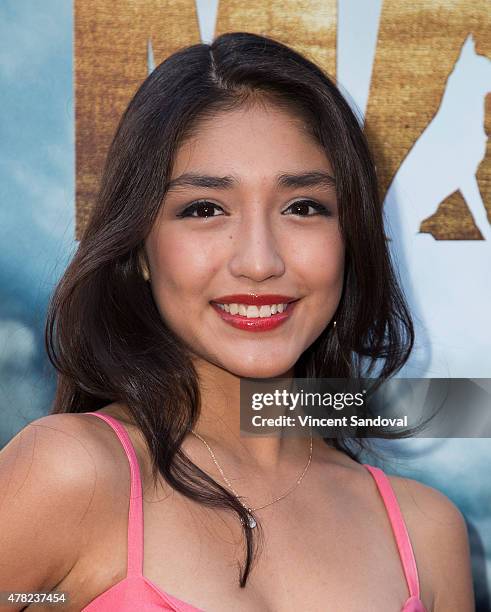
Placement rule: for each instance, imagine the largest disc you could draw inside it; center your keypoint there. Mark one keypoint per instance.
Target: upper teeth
(253, 311)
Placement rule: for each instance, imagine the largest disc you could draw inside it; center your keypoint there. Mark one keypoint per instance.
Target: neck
(219, 425)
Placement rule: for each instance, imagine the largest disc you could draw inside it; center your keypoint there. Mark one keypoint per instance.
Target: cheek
(333, 269)
(320, 261)
(180, 267)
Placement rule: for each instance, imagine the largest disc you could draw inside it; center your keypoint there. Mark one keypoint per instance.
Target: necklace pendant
(251, 521)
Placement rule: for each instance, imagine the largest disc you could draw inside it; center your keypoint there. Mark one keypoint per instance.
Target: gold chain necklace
(251, 520)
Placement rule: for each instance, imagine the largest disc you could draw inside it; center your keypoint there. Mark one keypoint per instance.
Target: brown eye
(203, 208)
(301, 208)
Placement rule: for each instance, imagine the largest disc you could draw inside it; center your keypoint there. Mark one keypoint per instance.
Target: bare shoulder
(439, 536)
(52, 453)
(76, 446)
(50, 473)
(430, 512)
(423, 501)
(86, 447)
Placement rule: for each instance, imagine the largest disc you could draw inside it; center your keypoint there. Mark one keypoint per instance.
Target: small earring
(144, 268)
(334, 323)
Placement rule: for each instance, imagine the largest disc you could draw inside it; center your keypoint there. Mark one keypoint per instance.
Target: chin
(255, 370)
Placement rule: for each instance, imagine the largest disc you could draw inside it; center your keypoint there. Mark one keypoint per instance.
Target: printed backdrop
(418, 75)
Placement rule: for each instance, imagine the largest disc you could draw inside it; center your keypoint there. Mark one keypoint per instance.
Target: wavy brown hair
(104, 334)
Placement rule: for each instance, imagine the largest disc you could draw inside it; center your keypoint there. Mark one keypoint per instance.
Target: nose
(256, 248)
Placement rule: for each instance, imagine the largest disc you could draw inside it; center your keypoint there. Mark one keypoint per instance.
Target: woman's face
(252, 213)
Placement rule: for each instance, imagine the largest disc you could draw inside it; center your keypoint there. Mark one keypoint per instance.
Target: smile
(252, 317)
(253, 312)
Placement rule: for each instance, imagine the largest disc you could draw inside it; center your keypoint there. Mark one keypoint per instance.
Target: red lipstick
(255, 324)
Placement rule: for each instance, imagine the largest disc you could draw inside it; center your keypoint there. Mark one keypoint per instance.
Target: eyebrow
(315, 178)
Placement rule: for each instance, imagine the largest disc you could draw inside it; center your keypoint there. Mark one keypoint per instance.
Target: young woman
(237, 234)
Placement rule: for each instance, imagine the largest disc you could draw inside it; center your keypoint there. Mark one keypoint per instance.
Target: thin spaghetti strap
(135, 515)
(398, 527)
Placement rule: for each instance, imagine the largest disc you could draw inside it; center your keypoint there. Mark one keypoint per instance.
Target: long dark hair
(104, 334)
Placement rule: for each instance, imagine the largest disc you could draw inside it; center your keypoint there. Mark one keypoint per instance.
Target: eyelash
(187, 212)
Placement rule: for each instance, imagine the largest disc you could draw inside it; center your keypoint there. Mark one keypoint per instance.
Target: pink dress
(135, 593)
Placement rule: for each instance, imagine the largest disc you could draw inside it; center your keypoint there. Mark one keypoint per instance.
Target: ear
(143, 263)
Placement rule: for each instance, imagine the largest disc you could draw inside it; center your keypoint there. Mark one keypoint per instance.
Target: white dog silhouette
(447, 155)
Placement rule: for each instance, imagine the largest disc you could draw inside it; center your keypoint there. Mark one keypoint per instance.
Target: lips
(253, 299)
(256, 324)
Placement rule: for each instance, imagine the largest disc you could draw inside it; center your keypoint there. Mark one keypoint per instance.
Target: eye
(301, 208)
(203, 208)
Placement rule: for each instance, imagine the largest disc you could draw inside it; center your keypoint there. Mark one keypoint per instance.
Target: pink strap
(398, 527)
(135, 516)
